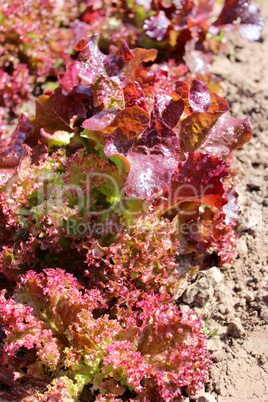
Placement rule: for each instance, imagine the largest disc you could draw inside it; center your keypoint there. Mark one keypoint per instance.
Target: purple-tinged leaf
(101, 120)
(122, 125)
(121, 140)
(194, 129)
(202, 203)
(114, 63)
(55, 112)
(140, 56)
(197, 179)
(241, 15)
(68, 79)
(89, 51)
(172, 113)
(150, 170)
(182, 90)
(151, 160)
(156, 26)
(161, 101)
(134, 96)
(127, 125)
(134, 116)
(199, 98)
(92, 63)
(11, 148)
(227, 135)
(13, 145)
(88, 66)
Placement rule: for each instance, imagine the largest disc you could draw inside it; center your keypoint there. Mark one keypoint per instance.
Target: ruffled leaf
(197, 179)
(151, 160)
(202, 202)
(11, 148)
(92, 64)
(143, 257)
(203, 112)
(57, 111)
(241, 15)
(227, 135)
(114, 63)
(156, 26)
(134, 96)
(62, 335)
(139, 56)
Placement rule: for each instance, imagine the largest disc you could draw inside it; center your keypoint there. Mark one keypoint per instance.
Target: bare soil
(234, 300)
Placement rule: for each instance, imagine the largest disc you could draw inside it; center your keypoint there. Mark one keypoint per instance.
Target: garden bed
(232, 300)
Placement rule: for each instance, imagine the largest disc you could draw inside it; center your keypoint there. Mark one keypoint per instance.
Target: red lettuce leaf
(134, 96)
(165, 353)
(197, 179)
(140, 56)
(90, 59)
(121, 141)
(172, 112)
(203, 203)
(151, 167)
(139, 340)
(145, 256)
(203, 111)
(134, 117)
(124, 125)
(101, 120)
(151, 155)
(182, 89)
(55, 112)
(227, 135)
(156, 26)
(88, 66)
(199, 98)
(241, 15)
(196, 98)
(68, 79)
(114, 63)
(11, 148)
(153, 147)
(91, 63)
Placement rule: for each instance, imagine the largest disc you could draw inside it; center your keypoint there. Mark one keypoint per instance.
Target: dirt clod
(235, 329)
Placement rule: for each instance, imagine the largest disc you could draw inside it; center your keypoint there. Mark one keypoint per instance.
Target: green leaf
(58, 63)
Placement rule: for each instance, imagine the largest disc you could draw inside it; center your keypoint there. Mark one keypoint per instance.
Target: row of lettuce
(121, 177)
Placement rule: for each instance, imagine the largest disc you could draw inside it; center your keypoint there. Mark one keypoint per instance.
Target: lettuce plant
(34, 40)
(172, 26)
(73, 340)
(35, 36)
(113, 180)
